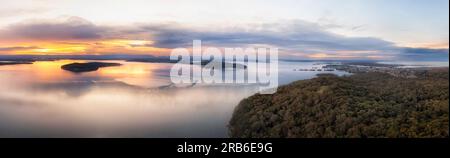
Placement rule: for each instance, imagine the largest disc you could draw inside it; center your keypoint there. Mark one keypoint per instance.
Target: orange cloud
(122, 46)
(440, 45)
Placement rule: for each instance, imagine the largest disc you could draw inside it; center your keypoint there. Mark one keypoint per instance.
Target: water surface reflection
(42, 100)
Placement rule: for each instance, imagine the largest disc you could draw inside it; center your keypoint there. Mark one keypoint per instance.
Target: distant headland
(14, 62)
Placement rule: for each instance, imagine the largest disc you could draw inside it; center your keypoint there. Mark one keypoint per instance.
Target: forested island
(86, 67)
(362, 105)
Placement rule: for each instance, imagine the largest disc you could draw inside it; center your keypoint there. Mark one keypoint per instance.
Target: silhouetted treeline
(361, 105)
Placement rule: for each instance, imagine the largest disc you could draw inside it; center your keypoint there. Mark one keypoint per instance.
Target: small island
(87, 67)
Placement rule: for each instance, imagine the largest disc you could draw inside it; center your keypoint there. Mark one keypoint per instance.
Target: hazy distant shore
(351, 66)
(14, 62)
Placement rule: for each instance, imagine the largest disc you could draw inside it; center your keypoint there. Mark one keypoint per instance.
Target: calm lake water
(42, 100)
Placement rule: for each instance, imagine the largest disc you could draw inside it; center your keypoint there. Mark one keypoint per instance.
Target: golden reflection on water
(49, 70)
(41, 99)
(133, 73)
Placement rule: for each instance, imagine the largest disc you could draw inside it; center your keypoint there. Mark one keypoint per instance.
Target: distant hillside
(14, 62)
(361, 105)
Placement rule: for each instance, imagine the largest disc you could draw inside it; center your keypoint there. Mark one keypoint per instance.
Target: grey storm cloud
(298, 35)
(424, 54)
(73, 28)
(292, 36)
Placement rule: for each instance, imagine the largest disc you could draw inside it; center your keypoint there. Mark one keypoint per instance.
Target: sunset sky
(303, 29)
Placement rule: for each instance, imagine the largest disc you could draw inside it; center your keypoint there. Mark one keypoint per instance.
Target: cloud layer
(295, 38)
(73, 28)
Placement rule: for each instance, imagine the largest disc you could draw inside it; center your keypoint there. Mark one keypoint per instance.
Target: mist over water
(132, 100)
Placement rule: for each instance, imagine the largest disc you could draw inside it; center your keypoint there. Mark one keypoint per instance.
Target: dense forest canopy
(357, 106)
